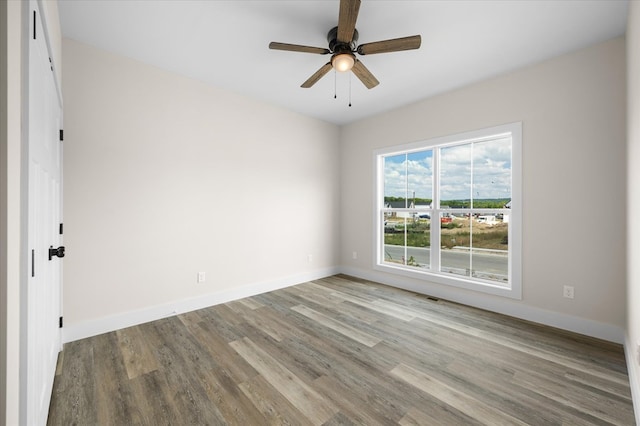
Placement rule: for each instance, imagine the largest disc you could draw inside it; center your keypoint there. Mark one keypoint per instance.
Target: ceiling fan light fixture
(343, 61)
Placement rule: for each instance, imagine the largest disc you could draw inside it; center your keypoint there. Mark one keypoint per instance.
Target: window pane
(394, 239)
(455, 176)
(395, 181)
(490, 248)
(455, 239)
(407, 239)
(492, 173)
(420, 179)
(419, 241)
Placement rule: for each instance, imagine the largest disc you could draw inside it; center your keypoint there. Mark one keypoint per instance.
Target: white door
(43, 341)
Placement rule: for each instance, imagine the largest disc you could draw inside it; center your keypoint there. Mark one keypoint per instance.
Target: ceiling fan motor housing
(336, 47)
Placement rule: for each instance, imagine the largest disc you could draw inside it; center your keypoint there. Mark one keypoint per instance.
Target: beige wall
(633, 200)
(166, 176)
(573, 114)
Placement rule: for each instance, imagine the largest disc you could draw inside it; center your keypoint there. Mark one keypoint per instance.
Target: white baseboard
(633, 371)
(127, 319)
(504, 306)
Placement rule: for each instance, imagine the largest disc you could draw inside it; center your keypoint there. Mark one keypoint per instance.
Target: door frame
(11, 192)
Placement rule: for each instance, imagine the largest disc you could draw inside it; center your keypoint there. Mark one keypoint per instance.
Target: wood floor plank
(352, 406)
(417, 417)
(115, 402)
(154, 399)
(292, 352)
(224, 320)
(456, 398)
(240, 308)
(316, 293)
(234, 406)
(59, 363)
(391, 311)
(341, 328)
(275, 408)
(138, 358)
(526, 347)
(610, 410)
(251, 303)
(279, 325)
(190, 319)
(273, 329)
(341, 351)
(339, 419)
(505, 394)
(223, 355)
(301, 395)
(614, 388)
(183, 361)
(74, 390)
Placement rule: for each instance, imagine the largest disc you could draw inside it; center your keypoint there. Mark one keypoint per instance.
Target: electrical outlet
(202, 277)
(355, 255)
(568, 292)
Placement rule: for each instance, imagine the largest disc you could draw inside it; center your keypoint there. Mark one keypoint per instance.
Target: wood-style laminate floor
(341, 351)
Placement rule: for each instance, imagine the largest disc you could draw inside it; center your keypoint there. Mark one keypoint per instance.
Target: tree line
(488, 203)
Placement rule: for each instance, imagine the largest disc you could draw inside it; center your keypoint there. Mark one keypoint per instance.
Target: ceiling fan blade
(393, 45)
(298, 48)
(347, 20)
(317, 76)
(364, 75)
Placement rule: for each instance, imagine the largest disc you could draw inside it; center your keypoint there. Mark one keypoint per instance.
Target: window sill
(512, 292)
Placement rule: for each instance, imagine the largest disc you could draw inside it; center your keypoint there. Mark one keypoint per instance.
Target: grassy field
(456, 233)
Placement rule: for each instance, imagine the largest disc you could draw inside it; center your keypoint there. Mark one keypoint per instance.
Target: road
(457, 261)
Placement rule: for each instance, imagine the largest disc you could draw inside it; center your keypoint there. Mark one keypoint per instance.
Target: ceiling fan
(343, 47)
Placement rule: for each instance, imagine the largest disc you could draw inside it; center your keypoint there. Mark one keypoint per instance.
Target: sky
(478, 170)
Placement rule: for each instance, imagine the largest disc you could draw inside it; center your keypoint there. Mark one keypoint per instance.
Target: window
(449, 210)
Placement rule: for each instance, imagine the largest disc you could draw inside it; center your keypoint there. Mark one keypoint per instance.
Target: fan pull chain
(335, 78)
(350, 89)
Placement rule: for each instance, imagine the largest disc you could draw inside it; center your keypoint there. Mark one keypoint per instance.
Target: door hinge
(34, 24)
(61, 322)
(61, 230)
(61, 135)
(33, 263)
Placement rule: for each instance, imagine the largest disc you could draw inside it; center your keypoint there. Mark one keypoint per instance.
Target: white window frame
(514, 288)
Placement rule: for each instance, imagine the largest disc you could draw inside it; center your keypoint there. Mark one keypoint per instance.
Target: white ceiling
(225, 43)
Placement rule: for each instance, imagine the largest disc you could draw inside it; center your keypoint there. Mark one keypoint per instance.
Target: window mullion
(471, 214)
(406, 205)
(434, 252)
(406, 182)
